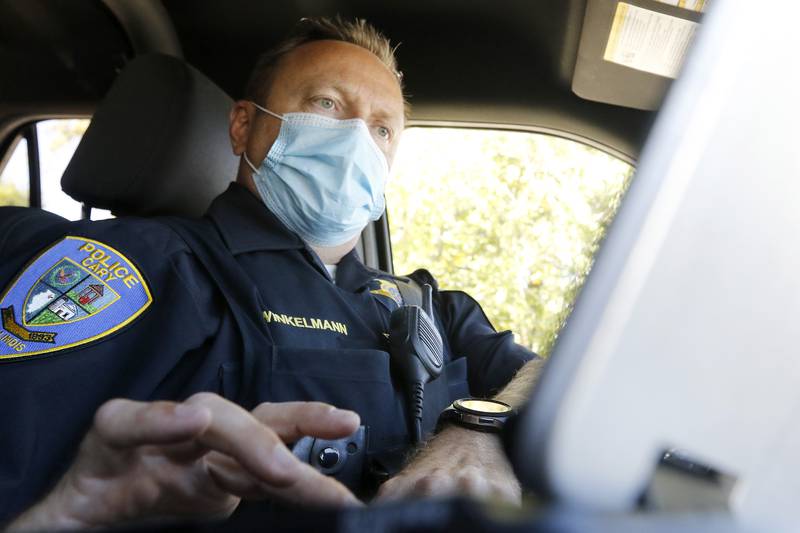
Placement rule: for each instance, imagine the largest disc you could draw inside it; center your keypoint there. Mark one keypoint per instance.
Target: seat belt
(410, 290)
(411, 287)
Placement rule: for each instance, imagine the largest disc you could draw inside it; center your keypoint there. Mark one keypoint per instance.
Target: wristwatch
(474, 413)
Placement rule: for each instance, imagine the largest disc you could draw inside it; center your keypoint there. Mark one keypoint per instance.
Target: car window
(14, 178)
(512, 217)
(56, 141)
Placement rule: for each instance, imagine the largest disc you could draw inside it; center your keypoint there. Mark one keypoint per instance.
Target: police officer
(224, 334)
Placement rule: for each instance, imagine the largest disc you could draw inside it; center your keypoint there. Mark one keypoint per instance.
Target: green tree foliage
(14, 177)
(10, 195)
(512, 218)
(65, 131)
(60, 133)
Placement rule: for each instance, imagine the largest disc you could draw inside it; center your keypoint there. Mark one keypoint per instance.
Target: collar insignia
(387, 289)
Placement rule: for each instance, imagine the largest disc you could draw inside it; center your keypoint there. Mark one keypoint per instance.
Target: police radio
(416, 353)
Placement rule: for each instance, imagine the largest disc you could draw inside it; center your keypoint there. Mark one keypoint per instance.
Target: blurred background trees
(57, 140)
(512, 218)
(11, 195)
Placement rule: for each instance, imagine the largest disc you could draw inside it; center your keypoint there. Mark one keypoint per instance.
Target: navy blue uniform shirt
(238, 305)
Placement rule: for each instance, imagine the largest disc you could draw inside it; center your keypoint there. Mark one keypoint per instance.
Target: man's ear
(240, 119)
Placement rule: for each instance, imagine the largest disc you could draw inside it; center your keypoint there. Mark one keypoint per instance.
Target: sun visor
(631, 50)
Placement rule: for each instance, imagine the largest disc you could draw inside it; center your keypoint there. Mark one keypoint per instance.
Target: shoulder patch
(76, 291)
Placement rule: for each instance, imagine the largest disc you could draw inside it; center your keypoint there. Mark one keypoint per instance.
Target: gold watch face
(484, 406)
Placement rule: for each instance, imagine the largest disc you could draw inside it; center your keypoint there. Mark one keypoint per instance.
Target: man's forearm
(517, 391)
(463, 461)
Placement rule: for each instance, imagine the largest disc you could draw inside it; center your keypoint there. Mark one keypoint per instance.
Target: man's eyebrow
(316, 85)
(381, 113)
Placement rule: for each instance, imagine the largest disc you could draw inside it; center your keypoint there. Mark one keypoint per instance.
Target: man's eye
(384, 132)
(326, 103)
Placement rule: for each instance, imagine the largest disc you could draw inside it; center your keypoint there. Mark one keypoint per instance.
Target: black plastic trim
(34, 167)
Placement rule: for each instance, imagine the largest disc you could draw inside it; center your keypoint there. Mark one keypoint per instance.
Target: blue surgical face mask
(323, 178)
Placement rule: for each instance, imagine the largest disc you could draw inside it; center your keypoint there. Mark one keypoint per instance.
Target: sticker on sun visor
(692, 5)
(649, 41)
(76, 291)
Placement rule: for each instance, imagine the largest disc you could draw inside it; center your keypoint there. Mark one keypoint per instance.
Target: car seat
(157, 144)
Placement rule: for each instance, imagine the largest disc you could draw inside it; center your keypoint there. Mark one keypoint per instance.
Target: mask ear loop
(249, 164)
(268, 112)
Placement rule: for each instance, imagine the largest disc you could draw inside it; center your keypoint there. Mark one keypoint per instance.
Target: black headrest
(157, 144)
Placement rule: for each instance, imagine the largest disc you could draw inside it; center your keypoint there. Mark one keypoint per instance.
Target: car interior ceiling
(474, 62)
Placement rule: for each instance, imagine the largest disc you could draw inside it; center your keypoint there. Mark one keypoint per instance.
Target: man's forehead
(330, 50)
(346, 66)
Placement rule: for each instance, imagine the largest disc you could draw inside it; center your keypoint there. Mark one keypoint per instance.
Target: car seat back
(157, 144)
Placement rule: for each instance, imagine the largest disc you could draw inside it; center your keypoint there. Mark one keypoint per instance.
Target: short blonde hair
(356, 31)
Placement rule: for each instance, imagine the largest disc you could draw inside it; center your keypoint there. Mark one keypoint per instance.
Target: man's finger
(310, 489)
(394, 489)
(293, 420)
(255, 446)
(431, 484)
(470, 482)
(184, 452)
(315, 489)
(125, 423)
(231, 477)
(506, 492)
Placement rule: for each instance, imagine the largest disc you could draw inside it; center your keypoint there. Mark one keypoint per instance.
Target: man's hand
(457, 462)
(196, 459)
(461, 461)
